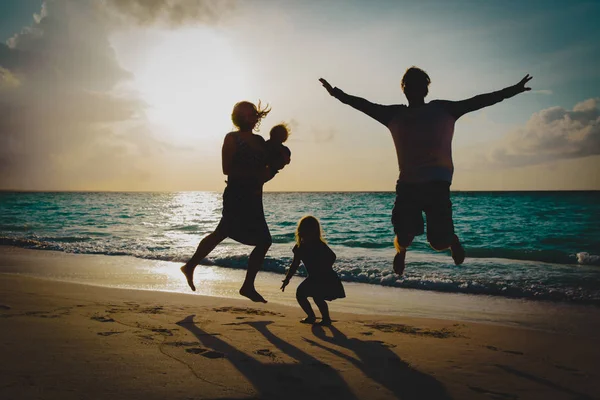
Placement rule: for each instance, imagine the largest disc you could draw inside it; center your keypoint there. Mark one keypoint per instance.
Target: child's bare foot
(457, 251)
(252, 294)
(325, 322)
(308, 320)
(189, 275)
(399, 262)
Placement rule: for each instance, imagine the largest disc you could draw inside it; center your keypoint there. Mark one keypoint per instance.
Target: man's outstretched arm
(460, 108)
(381, 113)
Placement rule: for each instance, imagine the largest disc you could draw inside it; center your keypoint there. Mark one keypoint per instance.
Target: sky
(131, 95)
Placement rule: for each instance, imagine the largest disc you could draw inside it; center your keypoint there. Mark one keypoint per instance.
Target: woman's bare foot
(189, 276)
(324, 322)
(308, 320)
(252, 294)
(399, 262)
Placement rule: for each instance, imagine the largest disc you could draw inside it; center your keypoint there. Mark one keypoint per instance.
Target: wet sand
(65, 340)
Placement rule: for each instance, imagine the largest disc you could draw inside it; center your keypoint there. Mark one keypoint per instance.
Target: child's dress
(322, 281)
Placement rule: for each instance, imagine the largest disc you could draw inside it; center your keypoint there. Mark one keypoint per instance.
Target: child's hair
(308, 226)
(238, 119)
(280, 133)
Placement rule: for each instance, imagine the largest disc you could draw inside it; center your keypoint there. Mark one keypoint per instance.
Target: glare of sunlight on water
(191, 213)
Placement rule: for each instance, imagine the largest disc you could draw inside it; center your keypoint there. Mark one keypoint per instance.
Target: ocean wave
(366, 244)
(423, 274)
(546, 256)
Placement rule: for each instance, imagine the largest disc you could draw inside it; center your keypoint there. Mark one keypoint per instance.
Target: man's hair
(415, 76)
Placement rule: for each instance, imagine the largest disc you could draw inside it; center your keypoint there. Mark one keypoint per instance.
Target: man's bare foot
(325, 322)
(308, 320)
(457, 251)
(399, 262)
(189, 276)
(252, 294)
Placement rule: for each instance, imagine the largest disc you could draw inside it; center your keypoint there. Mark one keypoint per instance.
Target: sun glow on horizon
(189, 78)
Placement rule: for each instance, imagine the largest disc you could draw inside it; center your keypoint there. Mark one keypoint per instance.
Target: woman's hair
(237, 116)
(308, 226)
(280, 132)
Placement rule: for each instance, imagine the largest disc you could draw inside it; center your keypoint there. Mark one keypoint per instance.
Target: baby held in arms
(278, 155)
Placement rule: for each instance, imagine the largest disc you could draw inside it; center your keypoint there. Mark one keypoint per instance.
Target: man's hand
(326, 85)
(520, 87)
(285, 283)
(514, 90)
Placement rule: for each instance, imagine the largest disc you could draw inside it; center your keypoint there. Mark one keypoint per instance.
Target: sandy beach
(66, 340)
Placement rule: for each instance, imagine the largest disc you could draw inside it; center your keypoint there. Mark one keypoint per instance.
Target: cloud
(547, 92)
(552, 134)
(65, 119)
(168, 12)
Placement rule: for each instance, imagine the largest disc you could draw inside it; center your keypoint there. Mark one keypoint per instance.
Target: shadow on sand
(378, 362)
(310, 377)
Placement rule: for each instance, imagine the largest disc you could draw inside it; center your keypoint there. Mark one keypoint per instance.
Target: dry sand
(62, 340)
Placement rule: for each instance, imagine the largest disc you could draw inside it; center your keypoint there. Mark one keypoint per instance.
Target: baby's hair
(239, 122)
(308, 226)
(280, 132)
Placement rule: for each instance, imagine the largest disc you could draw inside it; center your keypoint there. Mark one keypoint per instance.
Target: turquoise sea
(537, 245)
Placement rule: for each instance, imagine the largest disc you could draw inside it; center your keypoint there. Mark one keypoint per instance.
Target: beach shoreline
(128, 272)
(63, 340)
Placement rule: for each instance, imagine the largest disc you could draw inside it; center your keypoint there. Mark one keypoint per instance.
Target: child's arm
(381, 113)
(291, 272)
(460, 108)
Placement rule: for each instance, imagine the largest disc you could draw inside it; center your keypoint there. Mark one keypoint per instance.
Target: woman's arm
(227, 153)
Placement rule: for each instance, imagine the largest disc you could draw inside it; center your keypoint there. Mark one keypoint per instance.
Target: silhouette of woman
(244, 160)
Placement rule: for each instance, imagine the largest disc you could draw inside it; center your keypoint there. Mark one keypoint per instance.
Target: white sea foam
(587, 258)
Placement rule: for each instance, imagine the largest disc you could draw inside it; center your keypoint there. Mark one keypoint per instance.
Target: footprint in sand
(574, 372)
(109, 333)
(205, 352)
(163, 331)
(196, 350)
(181, 344)
(494, 348)
(519, 353)
(266, 353)
(384, 344)
(412, 330)
(152, 310)
(101, 318)
(494, 395)
(4, 307)
(240, 310)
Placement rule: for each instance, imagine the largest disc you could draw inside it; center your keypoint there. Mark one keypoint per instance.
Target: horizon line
(287, 191)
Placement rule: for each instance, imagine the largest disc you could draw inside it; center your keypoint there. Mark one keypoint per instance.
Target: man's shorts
(433, 198)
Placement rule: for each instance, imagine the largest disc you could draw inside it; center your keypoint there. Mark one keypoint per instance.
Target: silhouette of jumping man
(422, 134)
(244, 161)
